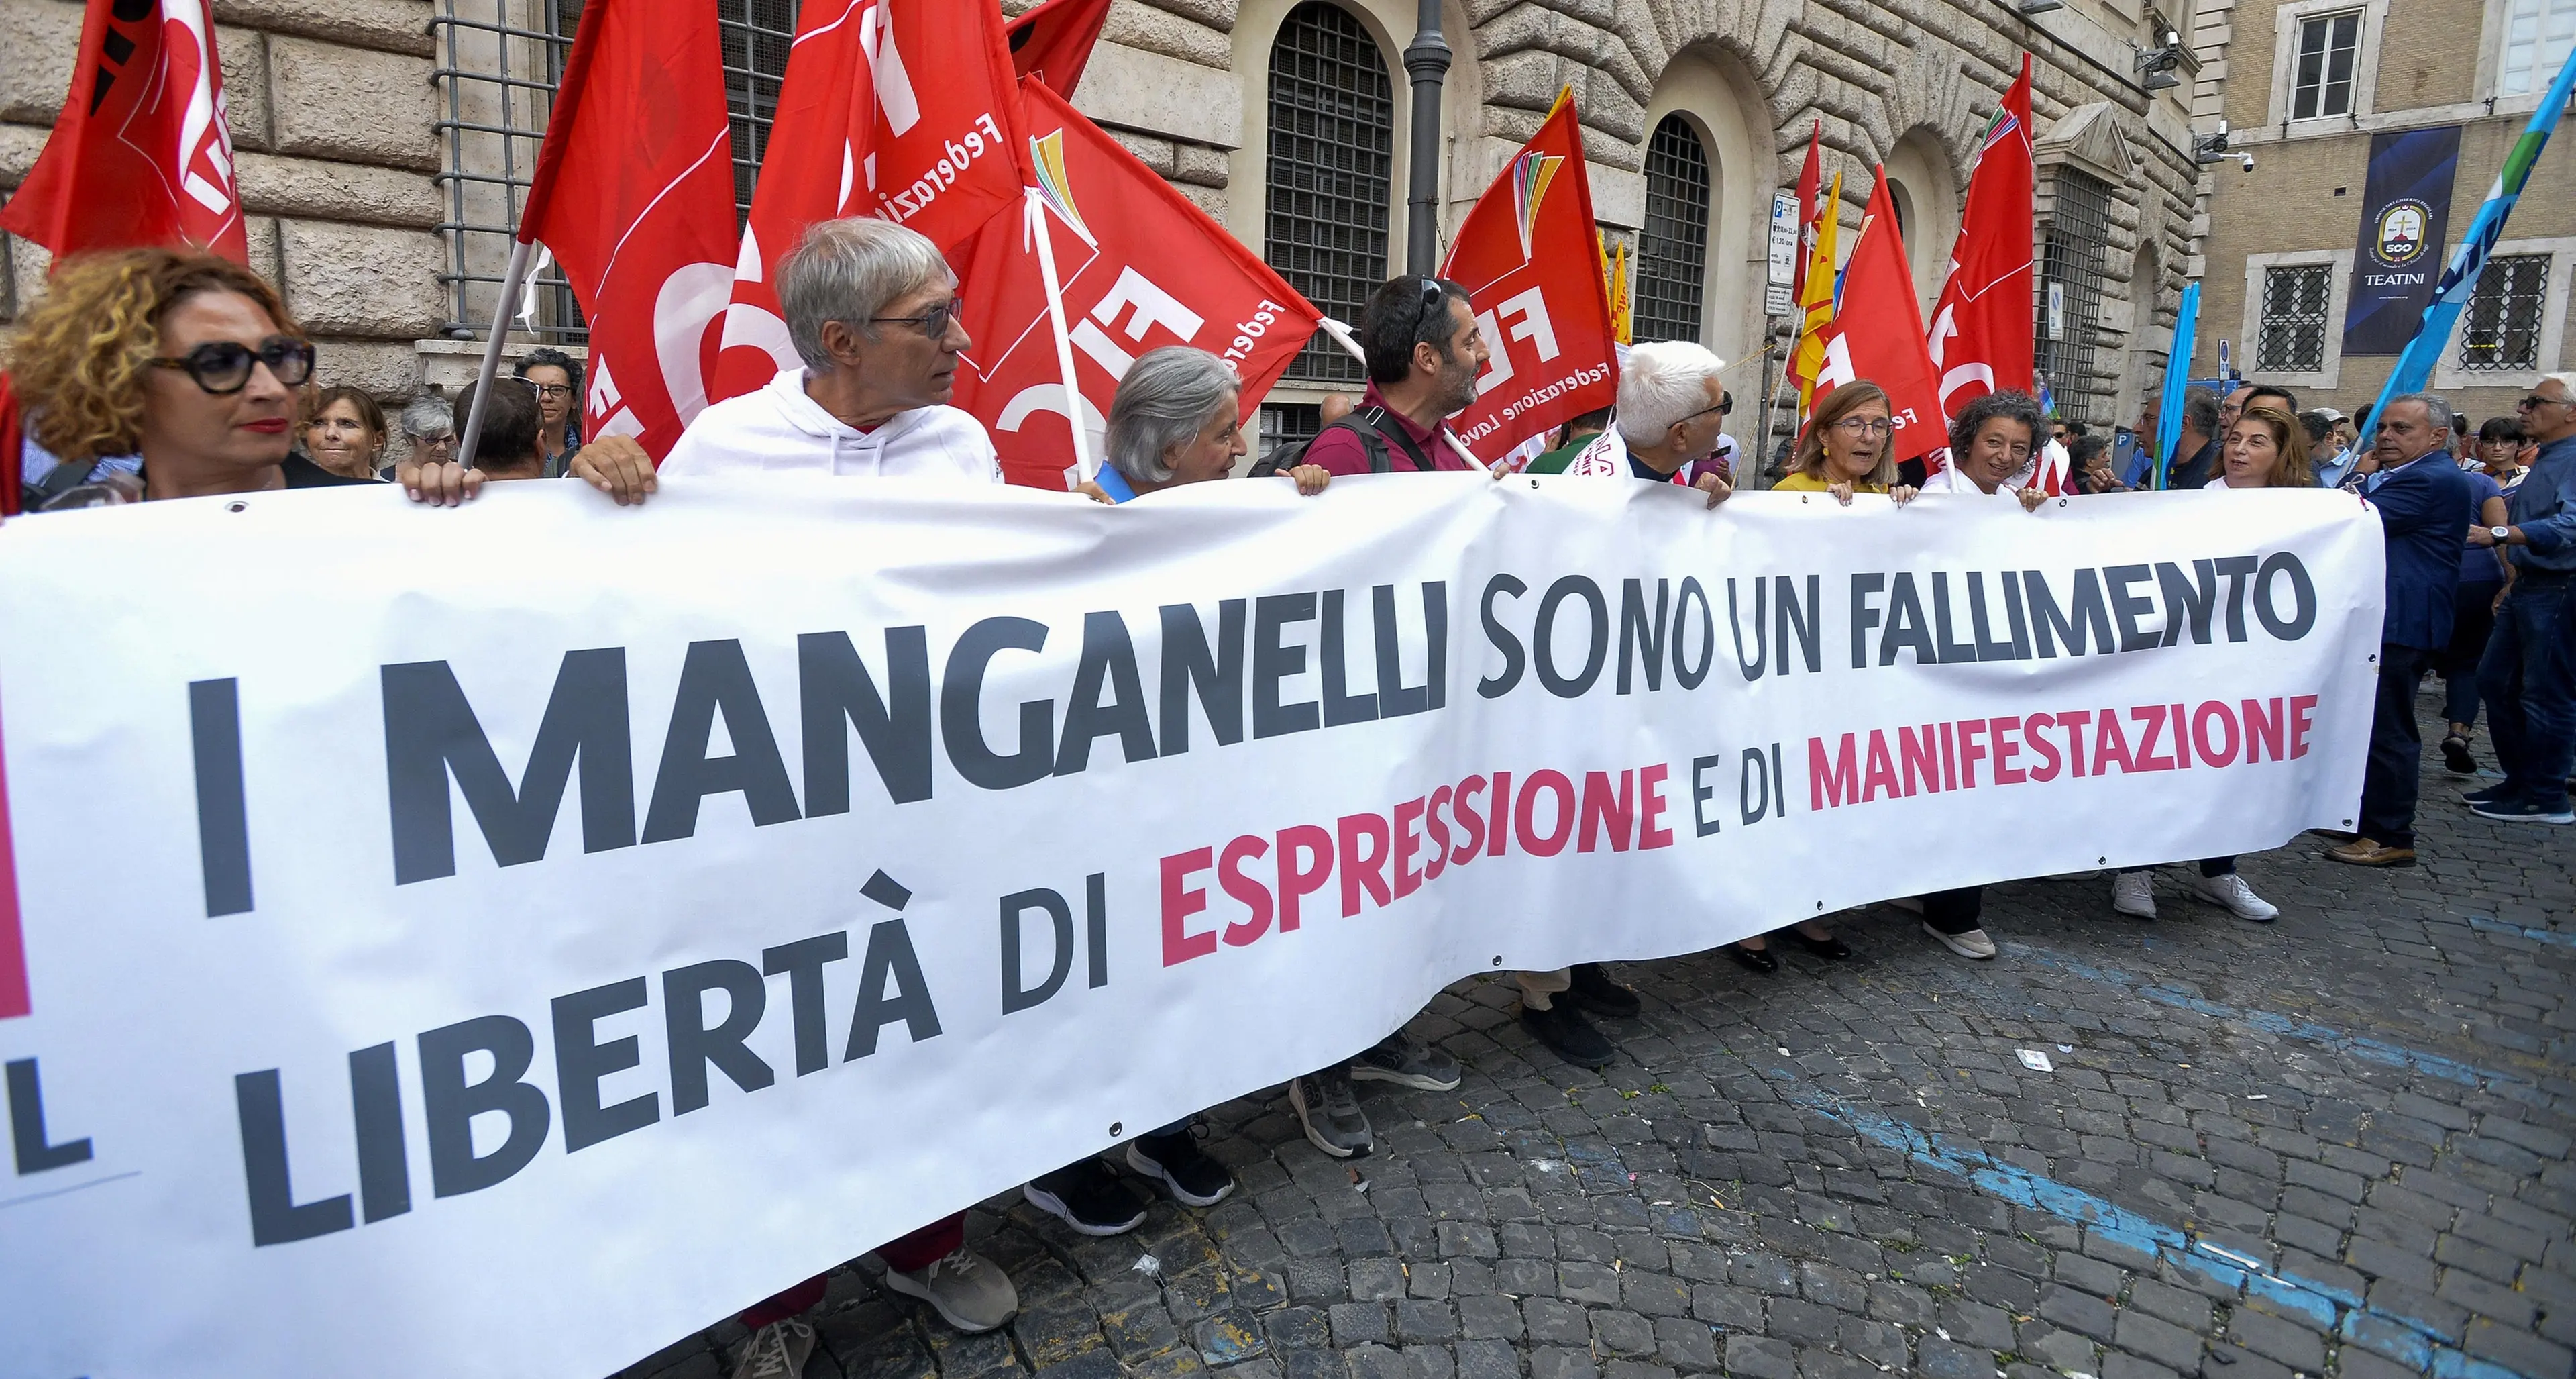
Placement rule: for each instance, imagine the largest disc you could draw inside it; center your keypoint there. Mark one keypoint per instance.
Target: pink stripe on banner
(13, 947)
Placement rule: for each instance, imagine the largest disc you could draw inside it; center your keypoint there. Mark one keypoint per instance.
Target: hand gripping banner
(552, 958)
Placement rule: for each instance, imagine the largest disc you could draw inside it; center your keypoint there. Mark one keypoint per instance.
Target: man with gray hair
(2425, 505)
(2528, 675)
(872, 310)
(1671, 408)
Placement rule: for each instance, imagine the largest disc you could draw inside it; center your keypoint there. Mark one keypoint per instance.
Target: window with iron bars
(2292, 334)
(2502, 333)
(498, 63)
(2078, 242)
(1672, 253)
(1330, 174)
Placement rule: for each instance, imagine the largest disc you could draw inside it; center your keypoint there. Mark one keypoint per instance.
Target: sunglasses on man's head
(223, 366)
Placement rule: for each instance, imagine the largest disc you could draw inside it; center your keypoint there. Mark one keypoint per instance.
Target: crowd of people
(153, 374)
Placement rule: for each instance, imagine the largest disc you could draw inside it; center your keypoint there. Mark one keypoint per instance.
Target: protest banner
(513, 971)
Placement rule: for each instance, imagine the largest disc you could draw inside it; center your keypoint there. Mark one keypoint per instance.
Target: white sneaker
(2241, 901)
(777, 1351)
(969, 1291)
(2134, 893)
(1972, 944)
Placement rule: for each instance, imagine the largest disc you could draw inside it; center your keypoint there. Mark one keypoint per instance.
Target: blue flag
(2415, 366)
(2177, 378)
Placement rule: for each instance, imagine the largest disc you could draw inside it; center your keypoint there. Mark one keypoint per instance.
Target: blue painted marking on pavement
(2420, 1345)
(2288, 1027)
(2498, 926)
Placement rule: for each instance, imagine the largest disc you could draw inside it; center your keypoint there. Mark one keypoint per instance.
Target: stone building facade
(2311, 84)
(382, 141)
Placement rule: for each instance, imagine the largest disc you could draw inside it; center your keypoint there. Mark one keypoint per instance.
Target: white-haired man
(1671, 411)
(872, 310)
(871, 307)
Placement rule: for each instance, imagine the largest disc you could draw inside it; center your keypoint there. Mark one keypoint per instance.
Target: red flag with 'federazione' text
(1139, 267)
(900, 109)
(1530, 263)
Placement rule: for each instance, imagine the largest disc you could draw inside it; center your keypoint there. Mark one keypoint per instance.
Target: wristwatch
(2501, 534)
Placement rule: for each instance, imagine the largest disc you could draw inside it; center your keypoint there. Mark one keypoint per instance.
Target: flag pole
(1342, 336)
(1084, 466)
(513, 278)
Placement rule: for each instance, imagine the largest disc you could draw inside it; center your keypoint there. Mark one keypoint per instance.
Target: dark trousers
(2210, 867)
(2390, 780)
(1956, 912)
(2529, 680)
(2472, 619)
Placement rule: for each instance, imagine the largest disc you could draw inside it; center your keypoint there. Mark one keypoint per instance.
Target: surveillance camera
(2247, 160)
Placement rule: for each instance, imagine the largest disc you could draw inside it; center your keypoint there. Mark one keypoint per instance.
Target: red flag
(900, 109)
(1811, 186)
(1981, 327)
(1053, 42)
(13, 433)
(1877, 336)
(141, 153)
(1528, 258)
(1139, 266)
(633, 192)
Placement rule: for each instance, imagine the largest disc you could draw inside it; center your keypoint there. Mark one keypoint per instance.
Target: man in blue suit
(2425, 505)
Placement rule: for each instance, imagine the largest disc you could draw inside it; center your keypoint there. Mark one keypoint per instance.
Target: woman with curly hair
(187, 360)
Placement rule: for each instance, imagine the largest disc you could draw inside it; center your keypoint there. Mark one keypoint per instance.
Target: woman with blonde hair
(345, 432)
(184, 359)
(1849, 447)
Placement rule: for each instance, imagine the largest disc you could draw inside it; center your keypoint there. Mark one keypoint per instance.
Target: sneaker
(2134, 893)
(1179, 1164)
(777, 1351)
(1563, 1029)
(2490, 795)
(1972, 944)
(967, 1290)
(2238, 898)
(1596, 992)
(2525, 813)
(1330, 1110)
(1407, 1062)
(1089, 1197)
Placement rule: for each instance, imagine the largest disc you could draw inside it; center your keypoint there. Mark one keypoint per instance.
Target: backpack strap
(62, 479)
(1378, 419)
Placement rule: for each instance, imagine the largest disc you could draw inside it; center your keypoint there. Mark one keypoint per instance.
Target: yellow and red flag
(1816, 296)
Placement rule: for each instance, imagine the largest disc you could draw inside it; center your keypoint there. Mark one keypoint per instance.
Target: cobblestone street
(2338, 1144)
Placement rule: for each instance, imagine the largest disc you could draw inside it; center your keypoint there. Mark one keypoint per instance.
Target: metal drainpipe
(1426, 61)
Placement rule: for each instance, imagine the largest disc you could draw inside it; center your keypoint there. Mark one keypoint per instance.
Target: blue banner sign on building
(2405, 211)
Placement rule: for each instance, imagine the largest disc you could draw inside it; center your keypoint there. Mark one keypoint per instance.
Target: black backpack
(1375, 429)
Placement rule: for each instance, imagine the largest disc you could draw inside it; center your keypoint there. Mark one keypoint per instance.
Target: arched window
(1672, 253)
(1330, 174)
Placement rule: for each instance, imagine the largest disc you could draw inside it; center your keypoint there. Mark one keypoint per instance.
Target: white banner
(500, 941)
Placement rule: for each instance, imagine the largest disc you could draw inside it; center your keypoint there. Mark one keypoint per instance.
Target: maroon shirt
(1341, 450)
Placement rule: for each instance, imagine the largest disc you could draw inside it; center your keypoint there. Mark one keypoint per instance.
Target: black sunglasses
(933, 323)
(223, 366)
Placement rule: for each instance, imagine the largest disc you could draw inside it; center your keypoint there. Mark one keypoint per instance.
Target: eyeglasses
(933, 323)
(2536, 400)
(1865, 426)
(224, 366)
(552, 389)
